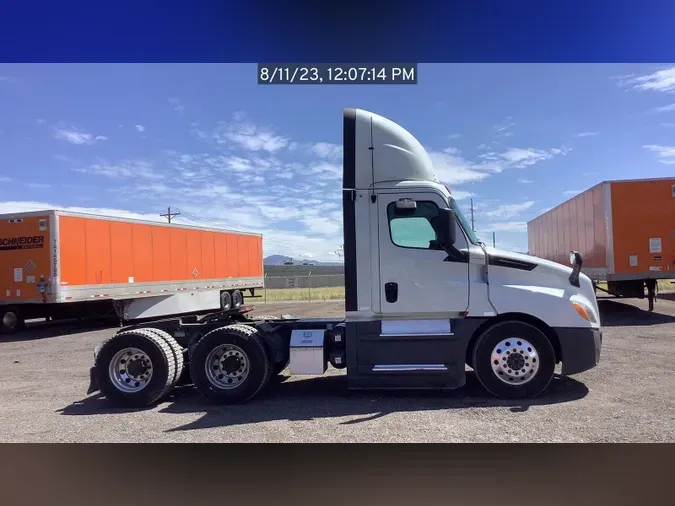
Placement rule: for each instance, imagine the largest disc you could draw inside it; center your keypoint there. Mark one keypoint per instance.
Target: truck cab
(424, 298)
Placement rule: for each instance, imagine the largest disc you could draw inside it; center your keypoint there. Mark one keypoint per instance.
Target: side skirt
(409, 360)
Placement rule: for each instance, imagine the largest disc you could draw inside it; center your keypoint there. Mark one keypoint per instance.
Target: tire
(241, 379)
(225, 301)
(500, 370)
(162, 375)
(12, 320)
(237, 299)
(177, 351)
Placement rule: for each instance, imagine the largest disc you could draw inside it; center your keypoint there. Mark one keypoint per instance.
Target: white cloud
(525, 181)
(452, 170)
(74, 136)
(244, 134)
(507, 211)
(37, 185)
(664, 154)
(177, 106)
(5, 179)
(586, 134)
(662, 80)
(140, 128)
(572, 192)
(132, 169)
(454, 136)
(101, 138)
(665, 108)
(327, 150)
(668, 125)
(506, 226)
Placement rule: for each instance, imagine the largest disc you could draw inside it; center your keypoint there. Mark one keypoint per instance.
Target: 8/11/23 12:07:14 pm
(330, 73)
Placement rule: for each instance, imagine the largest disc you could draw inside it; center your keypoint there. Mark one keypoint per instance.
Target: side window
(415, 230)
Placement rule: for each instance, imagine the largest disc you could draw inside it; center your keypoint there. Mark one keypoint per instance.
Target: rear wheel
(513, 360)
(237, 299)
(176, 349)
(230, 365)
(226, 301)
(12, 320)
(135, 368)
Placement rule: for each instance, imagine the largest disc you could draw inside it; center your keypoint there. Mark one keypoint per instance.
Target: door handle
(391, 292)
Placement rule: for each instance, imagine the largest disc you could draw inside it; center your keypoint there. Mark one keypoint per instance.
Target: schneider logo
(8, 243)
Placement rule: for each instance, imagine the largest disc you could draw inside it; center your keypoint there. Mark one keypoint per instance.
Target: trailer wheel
(225, 301)
(513, 360)
(135, 368)
(237, 299)
(12, 320)
(230, 365)
(176, 349)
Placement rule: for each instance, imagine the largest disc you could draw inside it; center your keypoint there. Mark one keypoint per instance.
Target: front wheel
(514, 360)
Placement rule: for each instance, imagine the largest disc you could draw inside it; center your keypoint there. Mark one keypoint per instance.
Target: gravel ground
(630, 396)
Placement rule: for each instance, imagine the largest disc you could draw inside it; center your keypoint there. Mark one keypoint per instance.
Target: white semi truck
(423, 298)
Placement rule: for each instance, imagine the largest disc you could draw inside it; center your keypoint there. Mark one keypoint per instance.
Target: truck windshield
(462, 219)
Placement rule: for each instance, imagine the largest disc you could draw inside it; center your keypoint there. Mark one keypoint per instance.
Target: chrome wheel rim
(9, 320)
(515, 361)
(227, 366)
(130, 370)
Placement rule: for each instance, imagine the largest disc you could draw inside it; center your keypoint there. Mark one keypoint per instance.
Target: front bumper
(579, 348)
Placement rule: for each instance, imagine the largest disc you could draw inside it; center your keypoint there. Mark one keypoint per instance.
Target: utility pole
(340, 251)
(169, 214)
(494, 242)
(473, 228)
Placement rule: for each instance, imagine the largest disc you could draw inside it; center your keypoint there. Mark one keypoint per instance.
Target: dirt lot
(630, 396)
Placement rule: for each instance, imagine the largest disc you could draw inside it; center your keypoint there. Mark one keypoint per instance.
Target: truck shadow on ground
(49, 329)
(328, 397)
(615, 313)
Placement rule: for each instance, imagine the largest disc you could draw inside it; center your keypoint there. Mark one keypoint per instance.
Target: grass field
(291, 294)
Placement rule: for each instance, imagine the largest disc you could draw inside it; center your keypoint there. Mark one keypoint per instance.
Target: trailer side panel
(577, 224)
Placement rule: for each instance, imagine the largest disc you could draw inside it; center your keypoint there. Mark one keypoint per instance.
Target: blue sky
(206, 139)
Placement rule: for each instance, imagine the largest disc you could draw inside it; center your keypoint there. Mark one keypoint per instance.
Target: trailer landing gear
(651, 292)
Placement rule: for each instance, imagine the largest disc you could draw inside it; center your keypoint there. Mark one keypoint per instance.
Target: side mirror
(577, 262)
(447, 220)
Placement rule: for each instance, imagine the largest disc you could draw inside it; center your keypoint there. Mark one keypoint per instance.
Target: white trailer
(424, 298)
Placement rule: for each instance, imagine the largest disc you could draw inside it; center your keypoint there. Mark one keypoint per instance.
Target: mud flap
(93, 384)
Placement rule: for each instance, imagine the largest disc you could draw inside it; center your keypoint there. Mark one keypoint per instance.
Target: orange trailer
(58, 264)
(624, 230)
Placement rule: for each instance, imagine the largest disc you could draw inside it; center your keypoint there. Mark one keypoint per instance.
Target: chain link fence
(309, 287)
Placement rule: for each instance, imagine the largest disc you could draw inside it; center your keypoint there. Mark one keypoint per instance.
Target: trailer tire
(147, 345)
(230, 365)
(225, 301)
(176, 349)
(12, 320)
(513, 360)
(237, 299)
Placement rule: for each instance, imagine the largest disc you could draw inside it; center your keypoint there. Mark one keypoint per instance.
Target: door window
(415, 230)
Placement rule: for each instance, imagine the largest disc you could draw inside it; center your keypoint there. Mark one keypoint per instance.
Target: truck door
(415, 280)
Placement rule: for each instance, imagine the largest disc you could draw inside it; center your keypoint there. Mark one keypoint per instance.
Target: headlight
(585, 311)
